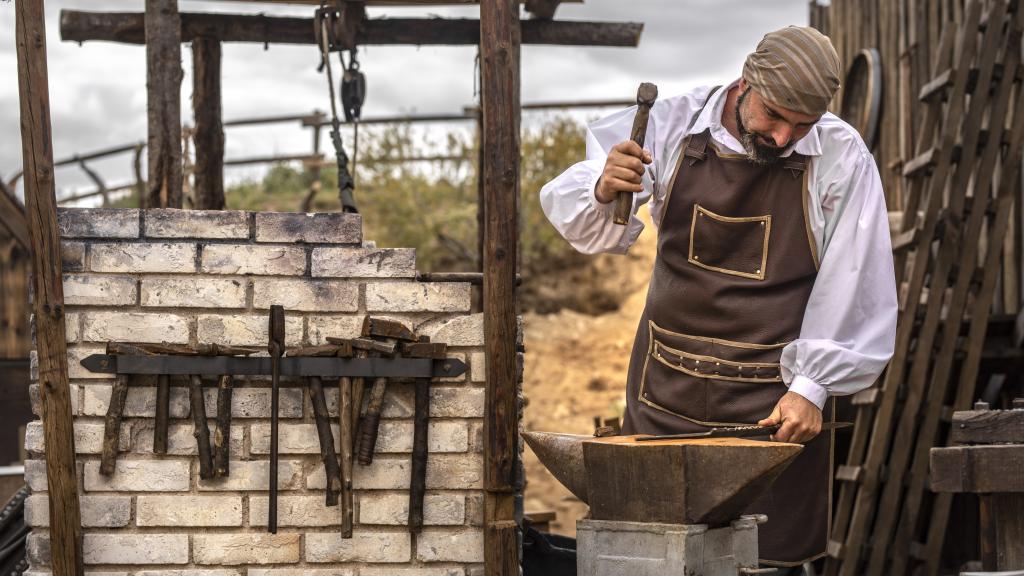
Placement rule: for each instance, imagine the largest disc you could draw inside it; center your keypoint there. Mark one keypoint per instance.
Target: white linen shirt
(849, 326)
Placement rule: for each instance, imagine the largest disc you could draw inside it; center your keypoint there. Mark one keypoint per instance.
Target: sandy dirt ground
(576, 370)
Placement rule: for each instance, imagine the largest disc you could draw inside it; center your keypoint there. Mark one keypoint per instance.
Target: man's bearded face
(760, 147)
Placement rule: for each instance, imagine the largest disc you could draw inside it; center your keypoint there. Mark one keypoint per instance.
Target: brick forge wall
(210, 277)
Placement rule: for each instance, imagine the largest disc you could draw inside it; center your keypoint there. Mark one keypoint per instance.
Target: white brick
(140, 402)
(367, 571)
(292, 438)
(255, 402)
(393, 509)
(460, 331)
(322, 228)
(96, 290)
(442, 436)
(181, 440)
(246, 259)
(152, 258)
(300, 572)
(417, 297)
(320, 327)
(135, 548)
(444, 545)
(134, 327)
(37, 548)
(460, 402)
(75, 369)
(306, 295)
(455, 471)
(236, 549)
(399, 401)
(72, 256)
(88, 437)
(193, 292)
(364, 546)
(189, 511)
(364, 262)
(96, 511)
(186, 573)
(98, 222)
(295, 511)
(36, 401)
(245, 330)
(72, 327)
(174, 223)
(478, 367)
(255, 475)
(35, 475)
(139, 476)
(385, 473)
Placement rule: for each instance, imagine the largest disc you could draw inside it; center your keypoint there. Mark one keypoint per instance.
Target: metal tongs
(737, 432)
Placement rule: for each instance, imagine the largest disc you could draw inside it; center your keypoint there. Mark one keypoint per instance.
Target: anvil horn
(562, 455)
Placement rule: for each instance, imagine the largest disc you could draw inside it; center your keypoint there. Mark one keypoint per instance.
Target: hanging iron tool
(324, 20)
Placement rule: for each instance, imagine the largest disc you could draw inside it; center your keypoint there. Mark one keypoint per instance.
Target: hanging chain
(346, 184)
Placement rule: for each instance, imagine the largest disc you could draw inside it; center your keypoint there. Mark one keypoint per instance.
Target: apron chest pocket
(736, 246)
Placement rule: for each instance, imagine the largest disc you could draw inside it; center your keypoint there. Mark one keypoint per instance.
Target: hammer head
(647, 94)
(276, 330)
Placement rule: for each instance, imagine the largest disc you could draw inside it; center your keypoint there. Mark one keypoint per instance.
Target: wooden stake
(323, 431)
(222, 435)
(48, 305)
(499, 57)
(345, 419)
(163, 89)
(201, 430)
(209, 130)
(112, 424)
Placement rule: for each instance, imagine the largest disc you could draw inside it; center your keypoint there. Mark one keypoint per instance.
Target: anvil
(696, 481)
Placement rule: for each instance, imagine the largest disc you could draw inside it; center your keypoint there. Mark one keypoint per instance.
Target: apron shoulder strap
(796, 164)
(697, 144)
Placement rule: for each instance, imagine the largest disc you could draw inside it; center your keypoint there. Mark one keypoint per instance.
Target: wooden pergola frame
(163, 29)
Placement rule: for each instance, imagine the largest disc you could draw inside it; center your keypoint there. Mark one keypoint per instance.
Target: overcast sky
(98, 96)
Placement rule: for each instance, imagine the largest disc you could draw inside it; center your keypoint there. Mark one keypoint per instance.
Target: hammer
(645, 98)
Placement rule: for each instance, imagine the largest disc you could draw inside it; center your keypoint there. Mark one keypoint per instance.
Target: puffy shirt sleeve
(849, 326)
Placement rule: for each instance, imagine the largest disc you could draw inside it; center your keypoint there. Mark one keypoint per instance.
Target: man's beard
(757, 152)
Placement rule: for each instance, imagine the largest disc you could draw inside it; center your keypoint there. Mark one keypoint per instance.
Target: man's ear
(743, 85)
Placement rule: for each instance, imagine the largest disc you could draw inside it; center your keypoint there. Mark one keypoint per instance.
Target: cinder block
(301, 511)
(98, 222)
(393, 509)
(320, 228)
(174, 223)
(96, 290)
(334, 262)
(193, 292)
(139, 476)
(253, 475)
(96, 511)
(135, 548)
(237, 549)
(452, 545)
(134, 327)
(306, 295)
(459, 331)
(364, 546)
(189, 511)
(320, 327)
(246, 259)
(177, 257)
(245, 330)
(417, 297)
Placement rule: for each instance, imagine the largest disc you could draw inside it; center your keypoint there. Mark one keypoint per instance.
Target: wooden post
(48, 305)
(499, 57)
(163, 89)
(209, 131)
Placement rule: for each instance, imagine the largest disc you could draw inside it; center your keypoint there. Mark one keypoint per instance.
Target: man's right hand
(623, 171)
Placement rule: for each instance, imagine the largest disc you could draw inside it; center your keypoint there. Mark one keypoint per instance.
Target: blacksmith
(773, 288)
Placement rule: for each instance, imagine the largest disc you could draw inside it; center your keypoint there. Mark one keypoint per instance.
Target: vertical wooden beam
(499, 62)
(209, 131)
(163, 89)
(48, 305)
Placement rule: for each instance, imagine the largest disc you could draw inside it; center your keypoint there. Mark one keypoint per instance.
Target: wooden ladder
(936, 257)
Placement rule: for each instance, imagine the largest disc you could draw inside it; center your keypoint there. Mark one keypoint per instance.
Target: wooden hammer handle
(645, 98)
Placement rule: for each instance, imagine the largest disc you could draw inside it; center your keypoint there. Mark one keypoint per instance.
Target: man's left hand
(800, 419)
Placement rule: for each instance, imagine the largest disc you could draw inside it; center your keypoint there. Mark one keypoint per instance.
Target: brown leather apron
(735, 266)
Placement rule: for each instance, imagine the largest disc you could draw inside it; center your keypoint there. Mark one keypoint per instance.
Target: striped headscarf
(796, 68)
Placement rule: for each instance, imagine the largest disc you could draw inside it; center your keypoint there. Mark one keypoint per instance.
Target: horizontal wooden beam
(129, 28)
